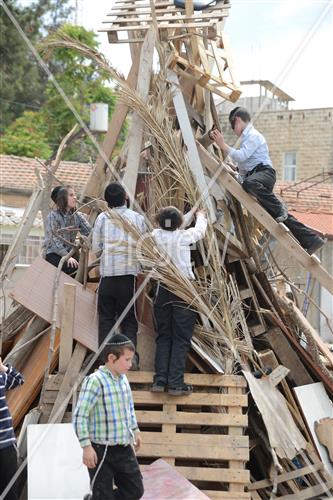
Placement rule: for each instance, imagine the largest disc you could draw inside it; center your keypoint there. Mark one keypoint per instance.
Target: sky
(289, 42)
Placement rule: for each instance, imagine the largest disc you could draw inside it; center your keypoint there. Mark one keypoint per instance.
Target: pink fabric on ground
(162, 481)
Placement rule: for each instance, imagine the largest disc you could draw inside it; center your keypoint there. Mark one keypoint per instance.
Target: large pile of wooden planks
(246, 324)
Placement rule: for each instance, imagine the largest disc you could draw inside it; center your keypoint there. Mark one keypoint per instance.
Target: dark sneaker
(283, 216)
(135, 363)
(184, 390)
(158, 387)
(317, 243)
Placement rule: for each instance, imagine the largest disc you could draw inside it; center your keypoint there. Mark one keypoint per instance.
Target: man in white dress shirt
(258, 176)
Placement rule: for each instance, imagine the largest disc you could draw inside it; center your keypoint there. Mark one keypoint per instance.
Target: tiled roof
(314, 199)
(18, 172)
(319, 222)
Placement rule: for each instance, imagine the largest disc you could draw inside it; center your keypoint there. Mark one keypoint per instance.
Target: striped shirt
(253, 150)
(105, 410)
(56, 234)
(119, 256)
(8, 380)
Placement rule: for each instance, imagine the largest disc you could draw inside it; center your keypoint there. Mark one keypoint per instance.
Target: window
(289, 166)
(31, 248)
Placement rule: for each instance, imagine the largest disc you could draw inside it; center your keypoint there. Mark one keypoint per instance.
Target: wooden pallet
(201, 435)
(136, 16)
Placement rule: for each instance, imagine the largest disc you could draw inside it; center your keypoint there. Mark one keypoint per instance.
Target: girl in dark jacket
(63, 224)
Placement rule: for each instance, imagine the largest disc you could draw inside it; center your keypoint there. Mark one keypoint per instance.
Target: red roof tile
(314, 199)
(319, 222)
(18, 172)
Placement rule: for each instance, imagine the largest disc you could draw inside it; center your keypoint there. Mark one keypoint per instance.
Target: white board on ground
(315, 404)
(55, 468)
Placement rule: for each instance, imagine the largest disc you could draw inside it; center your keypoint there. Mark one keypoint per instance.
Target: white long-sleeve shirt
(177, 244)
(119, 256)
(252, 151)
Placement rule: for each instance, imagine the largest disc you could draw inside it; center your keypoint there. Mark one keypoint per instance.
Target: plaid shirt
(8, 380)
(56, 232)
(116, 244)
(105, 410)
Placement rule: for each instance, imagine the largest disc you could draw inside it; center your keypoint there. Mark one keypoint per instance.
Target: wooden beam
(136, 132)
(287, 356)
(67, 327)
(192, 152)
(68, 384)
(97, 179)
(277, 230)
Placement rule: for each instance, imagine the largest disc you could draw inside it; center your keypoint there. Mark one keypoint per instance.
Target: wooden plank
(195, 399)
(188, 418)
(161, 25)
(20, 399)
(136, 132)
(129, 17)
(212, 494)
(262, 216)
(200, 380)
(312, 492)
(69, 384)
(288, 357)
(286, 476)
(67, 326)
(213, 474)
(174, 450)
(194, 159)
(235, 431)
(197, 440)
(15, 322)
(22, 348)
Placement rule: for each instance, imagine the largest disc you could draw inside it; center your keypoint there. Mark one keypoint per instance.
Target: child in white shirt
(174, 318)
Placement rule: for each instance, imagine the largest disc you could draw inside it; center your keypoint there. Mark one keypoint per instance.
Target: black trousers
(260, 183)
(8, 467)
(175, 324)
(114, 294)
(120, 468)
(54, 259)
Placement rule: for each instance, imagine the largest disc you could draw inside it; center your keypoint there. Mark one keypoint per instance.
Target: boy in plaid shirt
(105, 424)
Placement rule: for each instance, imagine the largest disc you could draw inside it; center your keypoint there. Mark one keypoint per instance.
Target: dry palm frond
(172, 182)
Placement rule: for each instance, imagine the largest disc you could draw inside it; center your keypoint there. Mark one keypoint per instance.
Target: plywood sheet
(283, 433)
(161, 480)
(315, 404)
(55, 468)
(35, 292)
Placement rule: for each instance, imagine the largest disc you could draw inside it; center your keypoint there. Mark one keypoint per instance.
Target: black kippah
(55, 192)
(119, 339)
